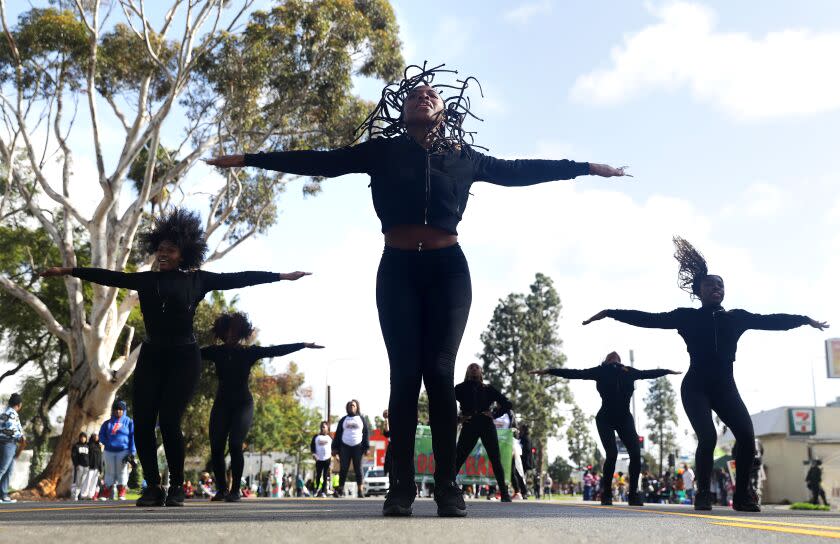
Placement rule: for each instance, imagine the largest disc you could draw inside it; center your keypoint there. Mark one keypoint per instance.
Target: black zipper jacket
(233, 367)
(168, 299)
(614, 381)
(711, 334)
(413, 186)
(95, 456)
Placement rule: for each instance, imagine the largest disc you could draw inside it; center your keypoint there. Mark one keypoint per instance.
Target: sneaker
(450, 501)
(745, 504)
(338, 492)
(517, 496)
(218, 497)
(635, 500)
(506, 496)
(175, 497)
(8, 500)
(233, 496)
(606, 500)
(153, 495)
(703, 501)
(399, 499)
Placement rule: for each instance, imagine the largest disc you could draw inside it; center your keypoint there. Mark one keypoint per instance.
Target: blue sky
(726, 113)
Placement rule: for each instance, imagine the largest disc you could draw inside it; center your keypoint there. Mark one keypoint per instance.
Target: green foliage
(560, 470)
(580, 442)
(522, 336)
(661, 411)
(423, 408)
(809, 506)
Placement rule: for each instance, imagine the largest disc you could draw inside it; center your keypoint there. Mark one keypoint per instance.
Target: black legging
(345, 455)
(481, 426)
(230, 422)
(164, 383)
(424, 300)
(322, 475)
(621, 423)
(700, 396)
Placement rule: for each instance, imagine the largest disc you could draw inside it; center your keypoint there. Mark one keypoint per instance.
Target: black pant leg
(358, 452)
(398, 302)
(490, 440)
(344, 456)
(626, 428)
(698, 408)
(183, 371)
(466, 442)
(147, 390)
(446, 307)
(727, 402)
(219, 429)
(606, 431)
(241, 419)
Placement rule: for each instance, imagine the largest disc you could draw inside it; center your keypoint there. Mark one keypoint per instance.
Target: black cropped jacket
(412, 186)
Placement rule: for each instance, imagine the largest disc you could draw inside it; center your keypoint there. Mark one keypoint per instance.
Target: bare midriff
(419, 237)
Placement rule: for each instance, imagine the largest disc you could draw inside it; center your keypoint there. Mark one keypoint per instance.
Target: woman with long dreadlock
(233, 407)
(421, 169)
(615, 384)
(711, 335)
(170, 363)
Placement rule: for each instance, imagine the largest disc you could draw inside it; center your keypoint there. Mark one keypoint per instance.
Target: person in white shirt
(321, 448)
(688, 482)
(350, 444)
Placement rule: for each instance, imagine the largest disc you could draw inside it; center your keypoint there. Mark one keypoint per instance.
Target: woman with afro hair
(170, 363)
(711, 336)
(421, 168)
(233, 408)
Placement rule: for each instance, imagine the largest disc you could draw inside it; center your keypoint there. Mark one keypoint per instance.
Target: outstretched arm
(653, 374)
(569, 373)
(523, 172)
(125, 280)
(774, 322)
(357, 158)
(213, 281)
(261, 352)
(666, 320)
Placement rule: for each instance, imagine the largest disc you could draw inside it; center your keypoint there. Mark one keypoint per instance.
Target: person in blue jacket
(117, 437)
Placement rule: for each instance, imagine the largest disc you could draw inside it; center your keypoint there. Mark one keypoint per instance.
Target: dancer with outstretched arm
(711, 335)
(233, 408)
(615, 384)
(421, 170)
(170, 363)
(476, 398)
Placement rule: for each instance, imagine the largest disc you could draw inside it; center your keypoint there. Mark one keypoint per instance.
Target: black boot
(233, 496)
(743, 503)
(703, 500)
(505, 494)
(450, 501)
(399, 499)
(175, 496)
(153, 495)
(635, 500)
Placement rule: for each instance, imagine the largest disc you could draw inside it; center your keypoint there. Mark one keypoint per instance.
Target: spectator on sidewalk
(11, 436)
(90, 488)
(79, 456)
(117, 437)
(688, 483)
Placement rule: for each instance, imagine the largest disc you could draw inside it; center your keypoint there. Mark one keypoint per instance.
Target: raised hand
(312, 345)
(55, 271)
(821, 325)
(226, 161)
(292, 276)
(607, 171)
(597, 317)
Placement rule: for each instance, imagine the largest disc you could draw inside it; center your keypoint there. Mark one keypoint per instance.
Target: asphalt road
(359, 520)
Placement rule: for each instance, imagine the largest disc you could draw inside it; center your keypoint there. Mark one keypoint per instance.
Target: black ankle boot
(703, 500)
(399, 499)
(450, 501)
(153, 495)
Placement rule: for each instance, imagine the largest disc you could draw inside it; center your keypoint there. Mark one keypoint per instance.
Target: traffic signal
(641, 442)
(672, 461)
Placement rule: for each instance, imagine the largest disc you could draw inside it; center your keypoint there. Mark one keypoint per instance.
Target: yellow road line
(718, 518)
(54, 508)
(788, 530)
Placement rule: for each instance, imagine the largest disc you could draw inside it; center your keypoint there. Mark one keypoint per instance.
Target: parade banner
(476, 471)
(832, 357)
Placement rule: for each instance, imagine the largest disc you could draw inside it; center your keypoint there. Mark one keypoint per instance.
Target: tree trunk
(539, 462)
(88, 405)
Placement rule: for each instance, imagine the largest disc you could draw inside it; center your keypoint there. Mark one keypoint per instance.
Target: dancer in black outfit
(476, 399)
(614, 382)
(233, 407)
(170, 363)
(351, 443)
(711, 335)
(421, 171)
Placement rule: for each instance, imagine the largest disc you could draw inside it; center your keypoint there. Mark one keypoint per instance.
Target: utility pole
(328, 405)
(633, 397)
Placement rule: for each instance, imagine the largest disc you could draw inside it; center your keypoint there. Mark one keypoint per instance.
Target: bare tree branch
(37, 305)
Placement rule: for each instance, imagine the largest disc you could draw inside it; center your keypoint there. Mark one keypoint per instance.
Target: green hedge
(808, 506)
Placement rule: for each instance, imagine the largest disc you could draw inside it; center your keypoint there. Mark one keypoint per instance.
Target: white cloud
(526, 12)
(760, 200)
(782, 73)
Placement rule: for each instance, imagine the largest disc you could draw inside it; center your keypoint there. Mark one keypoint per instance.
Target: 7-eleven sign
(802, 421)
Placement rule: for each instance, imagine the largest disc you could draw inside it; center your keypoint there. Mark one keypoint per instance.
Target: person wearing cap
(117, 437)
(11, 434)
